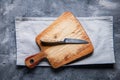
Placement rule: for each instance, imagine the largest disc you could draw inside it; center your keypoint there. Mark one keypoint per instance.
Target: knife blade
(49, 42)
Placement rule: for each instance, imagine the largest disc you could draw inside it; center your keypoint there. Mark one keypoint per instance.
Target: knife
(49, 42)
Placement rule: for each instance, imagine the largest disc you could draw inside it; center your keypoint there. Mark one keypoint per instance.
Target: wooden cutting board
(66, 26)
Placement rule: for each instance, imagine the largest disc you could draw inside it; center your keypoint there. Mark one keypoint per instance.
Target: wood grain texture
(66, 26)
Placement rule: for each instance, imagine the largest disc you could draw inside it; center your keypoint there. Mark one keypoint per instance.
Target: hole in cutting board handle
(31, 61)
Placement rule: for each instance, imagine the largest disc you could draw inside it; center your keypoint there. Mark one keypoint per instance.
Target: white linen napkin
(99, 29)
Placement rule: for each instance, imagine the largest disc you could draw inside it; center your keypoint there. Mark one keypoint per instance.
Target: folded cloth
(99, 29)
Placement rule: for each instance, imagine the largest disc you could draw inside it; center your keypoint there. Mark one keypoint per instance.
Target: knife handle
(33, 60)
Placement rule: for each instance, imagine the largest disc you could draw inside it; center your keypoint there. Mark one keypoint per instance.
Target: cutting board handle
(33, 60)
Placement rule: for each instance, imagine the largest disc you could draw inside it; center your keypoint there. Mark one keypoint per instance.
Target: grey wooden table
(9, 9)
